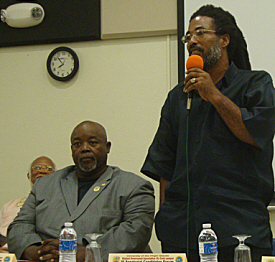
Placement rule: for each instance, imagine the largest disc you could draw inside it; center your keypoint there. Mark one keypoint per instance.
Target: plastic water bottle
(67, 243)
(208, 244)
(93, 250)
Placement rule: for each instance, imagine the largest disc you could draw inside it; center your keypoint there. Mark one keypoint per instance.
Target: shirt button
(198, 140)
(198, 207)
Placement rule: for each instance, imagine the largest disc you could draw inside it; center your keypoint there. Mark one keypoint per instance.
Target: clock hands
(62, 63)
(60, 60)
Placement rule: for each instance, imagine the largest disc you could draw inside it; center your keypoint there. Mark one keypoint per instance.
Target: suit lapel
(69, 186)
(93, 192)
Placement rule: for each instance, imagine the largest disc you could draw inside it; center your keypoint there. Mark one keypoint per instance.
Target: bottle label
(67, 244)
(208, 248)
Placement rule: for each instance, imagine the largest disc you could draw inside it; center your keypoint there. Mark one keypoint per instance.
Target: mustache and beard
(87, 168)
(211, 57)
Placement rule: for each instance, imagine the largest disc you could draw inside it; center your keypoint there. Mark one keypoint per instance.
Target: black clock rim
(76, 63)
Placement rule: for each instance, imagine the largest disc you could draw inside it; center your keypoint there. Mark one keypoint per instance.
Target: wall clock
(62, 63)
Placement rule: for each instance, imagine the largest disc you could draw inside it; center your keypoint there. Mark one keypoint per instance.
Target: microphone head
(194, 61)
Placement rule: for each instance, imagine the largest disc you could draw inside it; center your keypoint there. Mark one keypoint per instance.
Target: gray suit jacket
(120, 205)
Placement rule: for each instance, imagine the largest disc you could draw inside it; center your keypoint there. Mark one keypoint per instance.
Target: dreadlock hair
(225, 23)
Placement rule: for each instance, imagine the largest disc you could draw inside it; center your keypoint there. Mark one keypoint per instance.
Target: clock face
(62, 63)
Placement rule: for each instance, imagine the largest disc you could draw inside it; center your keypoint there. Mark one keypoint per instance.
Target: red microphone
(193, 61)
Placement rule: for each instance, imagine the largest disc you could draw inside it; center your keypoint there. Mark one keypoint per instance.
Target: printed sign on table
(268, 259)
(147, 257)
(6, 257)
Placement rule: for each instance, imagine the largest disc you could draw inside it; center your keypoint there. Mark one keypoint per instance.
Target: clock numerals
(62, 64)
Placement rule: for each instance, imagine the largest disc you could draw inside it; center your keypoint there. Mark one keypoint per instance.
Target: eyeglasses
(198, 34)
(39, 167)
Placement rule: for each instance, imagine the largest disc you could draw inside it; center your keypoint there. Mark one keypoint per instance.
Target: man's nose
(193, 39)
(86, 147)
(43, 171)
(192, 42)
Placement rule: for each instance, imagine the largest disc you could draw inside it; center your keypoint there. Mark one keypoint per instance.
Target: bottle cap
(208, 225)
(68, 224)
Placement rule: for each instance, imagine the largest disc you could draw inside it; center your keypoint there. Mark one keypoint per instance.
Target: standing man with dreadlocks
(214, 165)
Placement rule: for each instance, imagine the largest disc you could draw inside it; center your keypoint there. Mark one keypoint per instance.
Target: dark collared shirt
(231, 183)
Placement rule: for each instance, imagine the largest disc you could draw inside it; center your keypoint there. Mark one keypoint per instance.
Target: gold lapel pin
(97, 188)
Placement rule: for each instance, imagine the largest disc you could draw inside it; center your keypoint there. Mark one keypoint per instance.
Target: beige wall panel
(136, 18)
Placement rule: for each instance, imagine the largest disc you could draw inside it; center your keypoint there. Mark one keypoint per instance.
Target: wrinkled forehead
(201, 22)
(87, 130)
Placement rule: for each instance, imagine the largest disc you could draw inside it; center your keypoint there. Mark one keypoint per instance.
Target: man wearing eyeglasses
(40, 167)
(214, 163)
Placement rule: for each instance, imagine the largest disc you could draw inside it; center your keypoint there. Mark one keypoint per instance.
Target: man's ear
(28, 176)
(224, 40)
(108, 146)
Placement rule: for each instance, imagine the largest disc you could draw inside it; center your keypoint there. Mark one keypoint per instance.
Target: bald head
(87, 125)
(90, 149)
(41, 166)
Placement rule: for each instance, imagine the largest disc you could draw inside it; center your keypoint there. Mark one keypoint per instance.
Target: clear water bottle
(93, 250)
(67, 243)
(208, 244)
